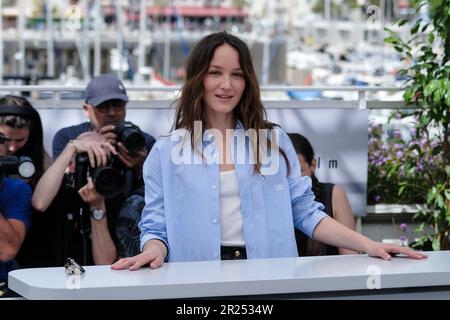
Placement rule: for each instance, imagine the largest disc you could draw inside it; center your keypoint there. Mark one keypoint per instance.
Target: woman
(332, 196)
(224, 191)
(22, 127)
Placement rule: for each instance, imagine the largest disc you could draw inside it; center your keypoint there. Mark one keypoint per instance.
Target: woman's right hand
(151, 255)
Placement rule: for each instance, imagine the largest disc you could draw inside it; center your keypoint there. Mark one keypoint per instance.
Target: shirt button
(214, 221)
(213, 187)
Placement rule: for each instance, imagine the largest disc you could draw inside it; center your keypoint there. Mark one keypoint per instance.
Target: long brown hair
(250, 110)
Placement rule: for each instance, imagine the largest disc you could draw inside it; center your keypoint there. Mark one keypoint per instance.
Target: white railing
(54, 97)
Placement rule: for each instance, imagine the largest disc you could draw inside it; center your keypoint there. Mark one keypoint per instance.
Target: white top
(231, 229)
(324, 274)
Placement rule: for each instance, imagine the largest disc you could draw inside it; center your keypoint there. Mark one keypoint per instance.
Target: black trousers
(233, 253)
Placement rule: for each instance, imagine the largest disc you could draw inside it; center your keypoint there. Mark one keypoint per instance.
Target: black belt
(232, 253)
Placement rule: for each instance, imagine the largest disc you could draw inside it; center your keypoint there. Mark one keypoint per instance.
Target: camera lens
(133, 140)
(130, 135)
(108, 181)
(26, 167)
(16, 165)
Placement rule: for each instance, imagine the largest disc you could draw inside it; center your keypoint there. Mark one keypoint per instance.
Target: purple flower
(423, 142)
(403, 238)
(412, 131)
(413, 142)
(403, 227)
(420, 167)
(397, 133)
(377, 198)
(399, 154)
(398, 115)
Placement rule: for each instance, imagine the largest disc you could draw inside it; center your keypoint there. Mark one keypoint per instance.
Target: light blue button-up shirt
(182, 199)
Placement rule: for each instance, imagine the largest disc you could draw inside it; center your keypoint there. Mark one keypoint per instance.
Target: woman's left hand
(385, 251)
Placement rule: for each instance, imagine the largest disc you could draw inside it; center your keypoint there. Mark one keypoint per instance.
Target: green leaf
(447, 99)
(416, 26)
(402, 22)
(440, 201)
(392, 40)
(447, 170)
(407, 95)
(431, 87)
(424, 27)
(436, 245)
(447, 194)
(402, 72)
(437, 95)
(431, 195)
(431, 38)
(402, 188)
(421, 228)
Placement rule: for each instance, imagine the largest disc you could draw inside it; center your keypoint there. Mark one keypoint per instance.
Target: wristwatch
(97, 214)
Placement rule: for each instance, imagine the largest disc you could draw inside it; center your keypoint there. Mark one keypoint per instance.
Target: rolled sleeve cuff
(309, 223)
(148, 237)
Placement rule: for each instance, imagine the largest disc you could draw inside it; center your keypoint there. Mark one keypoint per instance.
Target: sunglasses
(116, 105)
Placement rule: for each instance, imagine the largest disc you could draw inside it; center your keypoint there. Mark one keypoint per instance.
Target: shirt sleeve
(153, 221)
(59, 142)
(127, 230)
(307, 213)
(18, 203)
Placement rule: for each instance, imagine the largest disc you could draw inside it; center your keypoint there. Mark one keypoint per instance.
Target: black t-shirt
(302, 239)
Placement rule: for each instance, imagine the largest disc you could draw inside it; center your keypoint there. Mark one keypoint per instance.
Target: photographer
(105, 107)
(21, 125)
(15, 219)
(89, 218)
(89, 238)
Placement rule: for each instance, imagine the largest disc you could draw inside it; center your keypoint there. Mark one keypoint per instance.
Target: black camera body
(13, 165)
(130, 135)
(108, 179)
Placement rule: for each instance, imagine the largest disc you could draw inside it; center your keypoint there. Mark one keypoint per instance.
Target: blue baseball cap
(105, 87)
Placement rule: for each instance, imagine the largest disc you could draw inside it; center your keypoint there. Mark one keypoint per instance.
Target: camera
(108, 180)
(130, 135)
(13, 165)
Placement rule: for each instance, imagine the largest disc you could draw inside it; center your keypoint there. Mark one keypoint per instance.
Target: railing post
(55, 101)
(362, 102)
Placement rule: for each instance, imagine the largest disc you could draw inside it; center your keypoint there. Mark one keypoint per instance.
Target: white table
(306, 277)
